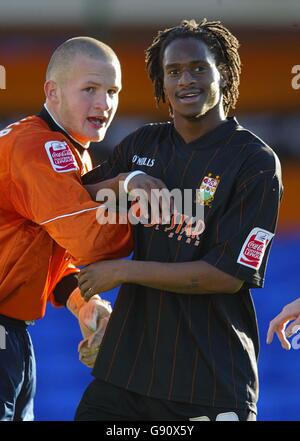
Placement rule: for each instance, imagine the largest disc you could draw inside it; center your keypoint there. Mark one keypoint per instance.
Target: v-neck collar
(211, 138)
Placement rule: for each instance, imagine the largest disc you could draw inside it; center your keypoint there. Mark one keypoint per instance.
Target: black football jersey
(199, 349)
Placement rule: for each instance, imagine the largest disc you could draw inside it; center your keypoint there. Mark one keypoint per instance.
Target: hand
(89, 347)
(278, 325)
(101, 276)
(148, 190)
(91, 314)
(87, 313)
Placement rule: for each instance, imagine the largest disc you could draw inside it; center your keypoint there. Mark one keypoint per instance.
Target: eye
(199, 69)
(90, 89)
(112, 92)
(173, 72)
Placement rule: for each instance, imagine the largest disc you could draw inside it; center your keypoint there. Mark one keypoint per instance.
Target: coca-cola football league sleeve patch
(61, 156)
(254, 248)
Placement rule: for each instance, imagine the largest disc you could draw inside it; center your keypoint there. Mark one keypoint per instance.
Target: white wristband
(130, 176)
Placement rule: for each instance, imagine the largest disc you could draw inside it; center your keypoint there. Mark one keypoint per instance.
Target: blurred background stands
(269, 32)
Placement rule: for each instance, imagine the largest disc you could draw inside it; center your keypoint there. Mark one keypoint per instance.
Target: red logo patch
(254, 248)
(61, 156)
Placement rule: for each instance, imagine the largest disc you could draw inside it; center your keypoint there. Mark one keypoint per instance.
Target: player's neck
(56, 119)
(191, 129)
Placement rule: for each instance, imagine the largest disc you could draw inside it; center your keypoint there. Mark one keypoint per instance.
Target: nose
(186, 78)
(103, 101)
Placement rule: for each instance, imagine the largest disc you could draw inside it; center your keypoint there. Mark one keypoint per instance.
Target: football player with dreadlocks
(182, 341)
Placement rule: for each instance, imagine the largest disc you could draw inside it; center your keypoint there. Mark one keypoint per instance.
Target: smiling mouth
(189, 96)
(97, 121)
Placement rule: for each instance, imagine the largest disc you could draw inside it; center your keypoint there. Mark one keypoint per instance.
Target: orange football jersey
(44, 211)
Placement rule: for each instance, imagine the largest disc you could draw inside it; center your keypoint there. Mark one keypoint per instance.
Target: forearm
(186, 278)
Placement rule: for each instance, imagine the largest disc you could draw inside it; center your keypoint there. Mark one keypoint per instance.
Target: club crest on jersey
(254, 248)
(206, 193)
(61, 156)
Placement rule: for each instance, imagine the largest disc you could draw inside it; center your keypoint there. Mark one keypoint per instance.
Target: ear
(51, 91)
(223, 74)
(223, 83)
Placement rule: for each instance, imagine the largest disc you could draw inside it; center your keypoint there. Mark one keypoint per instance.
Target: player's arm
(140, 186)
(54, 198)
(278, 326)
(186, 278)
(246, 225)
(121, 176)
(124, 183)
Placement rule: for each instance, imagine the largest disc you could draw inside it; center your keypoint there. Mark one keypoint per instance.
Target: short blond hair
(65, 53)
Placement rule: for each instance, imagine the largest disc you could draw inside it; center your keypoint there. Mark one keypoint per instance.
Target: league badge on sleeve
(206, 193)
(254, 248)
(61, 156)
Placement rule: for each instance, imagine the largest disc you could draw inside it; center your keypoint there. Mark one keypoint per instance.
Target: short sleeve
(247, 228)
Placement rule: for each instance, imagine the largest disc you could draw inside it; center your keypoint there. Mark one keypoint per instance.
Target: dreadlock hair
(219, 41)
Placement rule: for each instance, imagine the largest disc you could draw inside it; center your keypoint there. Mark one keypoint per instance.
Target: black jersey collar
(211, 138)
(45, 116)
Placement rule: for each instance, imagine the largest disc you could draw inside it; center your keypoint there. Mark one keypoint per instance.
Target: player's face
(191, 79)
(89, 97)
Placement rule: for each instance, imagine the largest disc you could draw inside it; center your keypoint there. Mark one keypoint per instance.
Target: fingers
(89, 316)
(279, 330)
(283, 340)
(94, 339)
(162, 206)
(278, 326)
(149, 190)
(274, 326)
(86, 332)
(82, 345)
(84, 286)
(270, 334)
(89, 358)
(293, 327)
(145, 182)
(87, 291)
(160, 202)
(82, 279)
(141, 198)
(88, 348)
(85, 273)
(88, 355)
(85, 281)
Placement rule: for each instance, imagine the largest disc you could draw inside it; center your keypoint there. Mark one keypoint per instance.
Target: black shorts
(17, 371)
(104, 401)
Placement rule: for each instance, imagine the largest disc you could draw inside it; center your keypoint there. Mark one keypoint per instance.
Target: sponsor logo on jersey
(206, 193)
(254, 248)
(61, 156)
(148, 162)
(182, 228)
